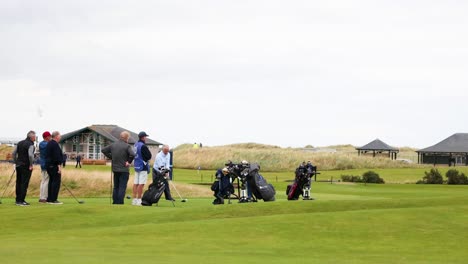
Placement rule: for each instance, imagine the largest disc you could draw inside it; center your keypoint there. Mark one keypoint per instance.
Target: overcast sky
(288, 73)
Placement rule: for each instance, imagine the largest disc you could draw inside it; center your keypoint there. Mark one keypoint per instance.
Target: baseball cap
(46, 134)
(142, 134)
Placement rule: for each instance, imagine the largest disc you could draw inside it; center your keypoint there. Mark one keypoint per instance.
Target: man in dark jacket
(78, 161)
(54, 160)
(23, 155)
(122, 155)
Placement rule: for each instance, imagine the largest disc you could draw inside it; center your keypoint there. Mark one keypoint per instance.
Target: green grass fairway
(398, 175)
(399, 223)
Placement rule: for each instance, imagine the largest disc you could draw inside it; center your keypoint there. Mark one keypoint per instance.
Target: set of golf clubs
(63, 184)
(184, 200)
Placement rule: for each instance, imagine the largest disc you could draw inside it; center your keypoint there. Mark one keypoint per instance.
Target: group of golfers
(51, 160)
(120, 152)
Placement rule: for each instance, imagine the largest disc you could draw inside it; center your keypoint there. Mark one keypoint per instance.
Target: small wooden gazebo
(377, 147)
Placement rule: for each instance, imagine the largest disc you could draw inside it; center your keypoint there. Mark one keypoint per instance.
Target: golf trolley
(240, 172)
(223, 186)
(251, 186)
(302, 182)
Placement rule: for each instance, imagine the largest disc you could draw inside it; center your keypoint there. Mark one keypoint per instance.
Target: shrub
(350, 178)
(433, 177)
(372, 177)
(454, 177)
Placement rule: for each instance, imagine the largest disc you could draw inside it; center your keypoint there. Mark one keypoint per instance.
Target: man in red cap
(45, 177)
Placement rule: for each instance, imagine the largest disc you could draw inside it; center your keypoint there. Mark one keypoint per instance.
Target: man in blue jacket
(142, 158)
(45, 177)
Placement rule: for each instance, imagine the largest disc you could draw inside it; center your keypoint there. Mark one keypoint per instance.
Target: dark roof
(111, 132)
(377, 145)
(457, 143)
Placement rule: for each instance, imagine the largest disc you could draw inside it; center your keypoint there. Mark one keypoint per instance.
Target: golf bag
(155, 191)
(222, 187)
(302, 182)
(260, 188)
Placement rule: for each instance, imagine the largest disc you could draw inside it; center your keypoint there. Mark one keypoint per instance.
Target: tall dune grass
(85, 183)
(282, 159)
(4, 151)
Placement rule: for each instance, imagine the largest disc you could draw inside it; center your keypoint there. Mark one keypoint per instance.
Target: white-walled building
(89, 141)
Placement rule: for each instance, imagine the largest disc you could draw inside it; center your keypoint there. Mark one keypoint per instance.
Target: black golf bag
(260, 188)
(222, 187)
(155, 190)
(302, 182)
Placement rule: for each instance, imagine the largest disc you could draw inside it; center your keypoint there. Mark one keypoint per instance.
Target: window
(98, 152)
(91, 152)
(92, 138)
(74, 148)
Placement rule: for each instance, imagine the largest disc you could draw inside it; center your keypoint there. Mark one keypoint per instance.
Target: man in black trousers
(78, 161)
(54, 160)
(23, 156)
(122, 155)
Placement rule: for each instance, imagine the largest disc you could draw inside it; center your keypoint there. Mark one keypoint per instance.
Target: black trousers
(23, 175)
(120, 187)
(78, 163)
(167, 189)
(55, 180)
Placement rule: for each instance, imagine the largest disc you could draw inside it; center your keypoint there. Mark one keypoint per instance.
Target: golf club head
(81, 202)
(129, 197)
(184, 200)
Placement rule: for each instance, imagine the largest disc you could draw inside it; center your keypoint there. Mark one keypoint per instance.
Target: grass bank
(274, 158)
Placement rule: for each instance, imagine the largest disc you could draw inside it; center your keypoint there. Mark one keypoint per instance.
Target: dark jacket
(145, 153)
(119, 152)
(23, 155)
(53, 154)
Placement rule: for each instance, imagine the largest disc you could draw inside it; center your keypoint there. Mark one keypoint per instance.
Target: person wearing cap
(141, 164)
(23, 155)
(44, 176)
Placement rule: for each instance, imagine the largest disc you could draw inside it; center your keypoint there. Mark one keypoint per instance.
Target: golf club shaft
(111, 181)
(8, 184)
(66, 187)
(173, 185)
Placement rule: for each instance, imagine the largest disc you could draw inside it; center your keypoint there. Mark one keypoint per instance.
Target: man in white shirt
(163, 160)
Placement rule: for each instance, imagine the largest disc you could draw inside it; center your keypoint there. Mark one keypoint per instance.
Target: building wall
(89, 145)
(154, 151)
(442, 159)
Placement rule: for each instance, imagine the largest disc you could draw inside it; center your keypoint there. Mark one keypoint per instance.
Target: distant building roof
(456, 143)
(9, 141)
(378, 145)
(111, 132)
